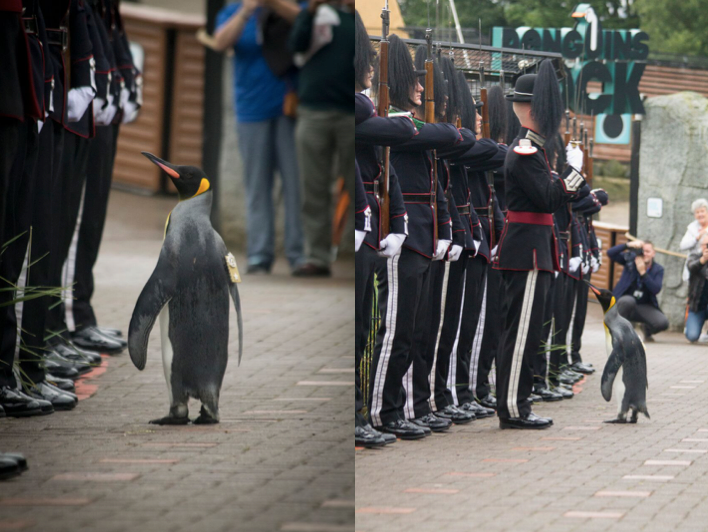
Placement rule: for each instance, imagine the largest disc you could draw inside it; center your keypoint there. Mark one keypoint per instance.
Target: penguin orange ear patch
(525, 148)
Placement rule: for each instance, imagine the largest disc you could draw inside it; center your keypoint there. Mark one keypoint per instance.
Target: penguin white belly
(618, 390)
(167, 352)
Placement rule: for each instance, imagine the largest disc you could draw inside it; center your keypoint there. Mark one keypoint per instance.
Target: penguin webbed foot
(616, 420)
(205, 418)
(170, 420)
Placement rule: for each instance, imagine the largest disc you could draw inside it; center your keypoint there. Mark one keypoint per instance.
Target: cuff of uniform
(398, 224)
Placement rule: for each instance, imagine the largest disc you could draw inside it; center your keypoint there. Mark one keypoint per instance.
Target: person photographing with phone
(638, 286)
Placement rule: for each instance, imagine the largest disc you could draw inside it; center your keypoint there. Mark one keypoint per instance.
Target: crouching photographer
(638, 286)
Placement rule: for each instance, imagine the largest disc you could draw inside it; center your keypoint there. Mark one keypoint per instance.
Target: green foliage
(611, 168)
(675, 27)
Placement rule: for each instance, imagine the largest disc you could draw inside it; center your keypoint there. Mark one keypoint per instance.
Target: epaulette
(525, 148)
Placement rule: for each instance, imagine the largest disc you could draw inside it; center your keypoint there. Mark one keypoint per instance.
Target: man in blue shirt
(265, 136)
(636, 290)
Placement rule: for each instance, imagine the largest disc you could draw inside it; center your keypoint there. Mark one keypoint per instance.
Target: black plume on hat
(364, 53)
(401, 73)
(453, 88)
(468, 115)
(439, 85)
(497, 113)
(546, 104)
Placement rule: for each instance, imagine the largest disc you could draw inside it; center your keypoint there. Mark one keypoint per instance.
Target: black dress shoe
(73, 352)
(80, 367)
(2, 412)
(569, 377)
(388, 438)
(479, 411)
(532, 421)
(563, 392)
(456, 414)
(66, 385)
(366, 438)
(311, 270)
(547, 395)
(579, 367)
(403, 429)
(110, 331)
(60, 400)
(8, 468)
(17, 404)
(433, 422)
(19, 458)
(489, 401)
(534, 398)
(91, 338)
(63, 370)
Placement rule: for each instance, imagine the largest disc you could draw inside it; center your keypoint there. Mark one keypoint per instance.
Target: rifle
(381, 186)
(485, 133)
(430, 119)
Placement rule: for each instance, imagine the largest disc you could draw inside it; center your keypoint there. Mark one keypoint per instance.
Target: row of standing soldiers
(67, 82)
(485, 269)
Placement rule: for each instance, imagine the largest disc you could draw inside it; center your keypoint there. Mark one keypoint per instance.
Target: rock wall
(674, 167)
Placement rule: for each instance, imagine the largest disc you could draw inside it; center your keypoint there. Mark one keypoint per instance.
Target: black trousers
(417, 381)
(493, 326)
(99, 172)
(459, 377)
(402, 282)
(9, 139)
(581, 310)
(653, 319)
(72, 177)
(563, 301)
(365, 267)
(466, 359)
(523, 307)
(448, 334)
(17, 253)
(541, 361)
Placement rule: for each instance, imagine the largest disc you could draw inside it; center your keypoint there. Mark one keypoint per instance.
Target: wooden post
(634, 176)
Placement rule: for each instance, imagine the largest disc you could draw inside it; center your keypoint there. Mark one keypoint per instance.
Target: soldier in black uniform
(403, 279)
(526, 254)
(372, 132)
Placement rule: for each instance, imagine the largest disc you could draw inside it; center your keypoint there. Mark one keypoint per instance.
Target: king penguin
(626, 359)
(189, 290)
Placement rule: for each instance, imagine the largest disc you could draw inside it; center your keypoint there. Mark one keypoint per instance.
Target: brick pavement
(578, 475)
(281, 459)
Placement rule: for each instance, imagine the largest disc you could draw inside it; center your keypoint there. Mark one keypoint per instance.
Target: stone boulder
(672, 166)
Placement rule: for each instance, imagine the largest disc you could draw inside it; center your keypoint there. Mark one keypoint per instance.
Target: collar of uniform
(533, 136)
(395, 111)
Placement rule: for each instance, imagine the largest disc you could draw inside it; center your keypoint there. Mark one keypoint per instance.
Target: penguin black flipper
(237, 305)
(613, 365)
(155, 295)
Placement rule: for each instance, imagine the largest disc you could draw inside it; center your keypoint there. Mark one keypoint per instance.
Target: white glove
(556, 275)
(40, 123)
(594, 264)
(130, 112)
(391, 245)
(124, 96)
(494, 251)
(358, 238)
(77, 101)
(455, 252)
(105, 116)
(476, 243)
(442, 249)
(574, 156)
(574, 263)
(586, 269)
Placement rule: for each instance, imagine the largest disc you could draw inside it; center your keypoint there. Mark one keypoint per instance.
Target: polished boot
(91, 338)
(110, 331)
(403, 429)
(9, 468)
(532, 421)
(17, 404)
(547, 395)
(73, 352)
(2, 412)
(563, 392)
(456, 414)
(489, 401)
(63, 370)
(19, 458)
(479, 411)
(579, 367)
(367, 438)
(60, 400)
(433, 422)
(66, 385)
(80, 367)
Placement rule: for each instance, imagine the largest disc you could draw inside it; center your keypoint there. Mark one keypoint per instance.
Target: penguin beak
(595, 290)
(167, 167)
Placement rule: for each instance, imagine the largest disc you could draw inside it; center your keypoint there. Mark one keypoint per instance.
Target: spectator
(266, 137)
(323, 39)
(640, 283)
(697, 290)
(695, 230)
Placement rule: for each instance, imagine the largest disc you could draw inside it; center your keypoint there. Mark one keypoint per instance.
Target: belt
(13, 6)
(419, 198)
(463, 209)
(30, 24)
(58, 37)
(482, 211)
(564, 234)
(533, 218)
(369, 187)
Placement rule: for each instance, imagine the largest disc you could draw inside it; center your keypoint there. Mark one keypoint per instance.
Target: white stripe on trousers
(452, 370)
(408, 410)
(549, 346)
(385, 355)
(522, 333)
(569, 336)
(431, 377)
(20, 293)
(69, 269)
(477, 344)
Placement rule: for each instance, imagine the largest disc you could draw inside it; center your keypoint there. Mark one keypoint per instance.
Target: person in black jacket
(526, 254)
(404, 278)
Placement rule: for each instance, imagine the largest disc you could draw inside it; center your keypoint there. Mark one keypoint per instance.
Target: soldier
(526, 254)
(404, 278)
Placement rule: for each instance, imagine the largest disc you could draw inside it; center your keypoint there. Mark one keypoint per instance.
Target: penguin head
(189, 180)
(605, 297)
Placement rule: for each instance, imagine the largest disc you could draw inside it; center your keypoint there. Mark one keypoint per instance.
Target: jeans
(321, 137)
(694, 324)
(265, 147)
